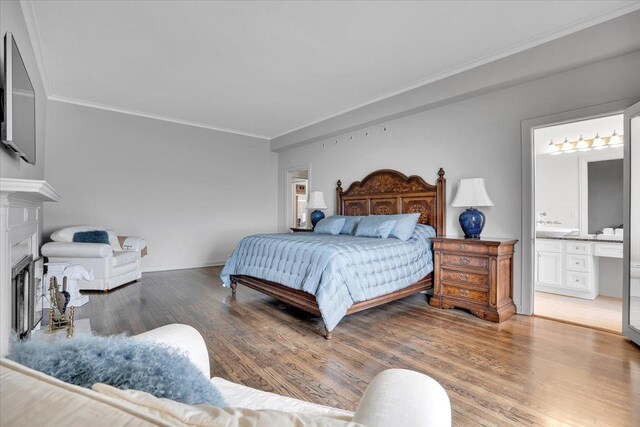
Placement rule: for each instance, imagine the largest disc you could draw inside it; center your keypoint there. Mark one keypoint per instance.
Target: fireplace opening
(26, 290)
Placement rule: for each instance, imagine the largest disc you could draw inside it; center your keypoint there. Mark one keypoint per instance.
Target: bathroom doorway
(578, 222)
(297, 193)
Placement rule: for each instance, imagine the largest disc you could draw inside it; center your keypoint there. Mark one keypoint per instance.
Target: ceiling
(268, 68)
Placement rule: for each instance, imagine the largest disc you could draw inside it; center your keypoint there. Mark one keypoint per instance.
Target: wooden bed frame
(383, 192)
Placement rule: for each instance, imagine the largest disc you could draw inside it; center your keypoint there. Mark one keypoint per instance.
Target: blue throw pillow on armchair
(96, 236)
(121, 362)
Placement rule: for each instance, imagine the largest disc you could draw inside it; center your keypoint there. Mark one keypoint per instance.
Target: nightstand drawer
(464, 261)
(463, 247)
(470, 279)
(463, 293)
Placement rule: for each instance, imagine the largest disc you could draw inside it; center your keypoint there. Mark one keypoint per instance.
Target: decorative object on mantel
(472, 192)
(58, 301)
(597, 143)
(316, 202)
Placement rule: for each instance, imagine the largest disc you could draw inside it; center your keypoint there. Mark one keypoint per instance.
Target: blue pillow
(350, 223)
(331, 225)
(95, 236)
(405, 225)
(121, 362)
(375, 226)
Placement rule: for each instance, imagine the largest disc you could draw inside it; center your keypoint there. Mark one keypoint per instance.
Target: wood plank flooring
(526, 371)
(602, 313)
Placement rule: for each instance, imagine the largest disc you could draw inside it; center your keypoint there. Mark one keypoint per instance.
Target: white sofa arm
(77, 250)
(130, 243)
(401, 397)
(183, 337)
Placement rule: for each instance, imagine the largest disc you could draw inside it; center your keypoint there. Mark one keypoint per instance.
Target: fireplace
(20, 230)
(26, 295)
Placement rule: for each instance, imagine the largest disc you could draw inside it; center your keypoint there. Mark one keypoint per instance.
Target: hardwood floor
(525, 371)
(601, 313)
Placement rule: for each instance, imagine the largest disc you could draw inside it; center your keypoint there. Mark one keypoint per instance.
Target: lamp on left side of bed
(315, 203)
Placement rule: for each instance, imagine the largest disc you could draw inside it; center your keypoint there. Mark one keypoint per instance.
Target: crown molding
(154, 116)
(536, 41)
(30, 20)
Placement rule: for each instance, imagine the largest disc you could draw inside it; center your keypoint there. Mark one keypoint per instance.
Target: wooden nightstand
(476, 274)
(301, 230)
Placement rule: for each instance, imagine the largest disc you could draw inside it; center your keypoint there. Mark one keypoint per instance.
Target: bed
(333, 276)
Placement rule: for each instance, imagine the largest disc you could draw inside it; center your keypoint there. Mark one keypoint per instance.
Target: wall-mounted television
(18, 104)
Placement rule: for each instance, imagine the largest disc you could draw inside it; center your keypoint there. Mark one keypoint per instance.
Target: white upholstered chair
(113, 264)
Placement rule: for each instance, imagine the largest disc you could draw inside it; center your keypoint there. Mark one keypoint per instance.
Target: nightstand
(475, 274)
(301, 230)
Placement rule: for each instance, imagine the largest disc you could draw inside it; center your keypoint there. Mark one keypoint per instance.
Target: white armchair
(113, 264)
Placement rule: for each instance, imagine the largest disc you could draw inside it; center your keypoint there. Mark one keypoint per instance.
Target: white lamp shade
(471, 192)
(316, 200)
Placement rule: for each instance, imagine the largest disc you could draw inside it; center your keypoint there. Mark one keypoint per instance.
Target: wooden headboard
(389, 192)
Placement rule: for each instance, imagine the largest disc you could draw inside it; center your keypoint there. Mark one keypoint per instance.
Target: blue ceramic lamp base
(316, 216)
(472, 223)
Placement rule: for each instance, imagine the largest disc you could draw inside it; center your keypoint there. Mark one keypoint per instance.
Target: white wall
(12, 19)
(192, 193)
(476, 137)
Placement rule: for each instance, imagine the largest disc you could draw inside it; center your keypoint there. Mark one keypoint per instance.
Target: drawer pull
(463, 247)
(464, 260)
(463, 277)
(463, 292)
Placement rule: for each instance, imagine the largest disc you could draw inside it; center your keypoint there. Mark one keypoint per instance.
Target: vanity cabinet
(566, 268)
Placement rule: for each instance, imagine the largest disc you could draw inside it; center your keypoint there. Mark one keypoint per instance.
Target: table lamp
(471, 192)
(316, 202)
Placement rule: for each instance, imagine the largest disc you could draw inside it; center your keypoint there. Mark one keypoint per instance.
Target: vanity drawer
(578, 281)
(471, 295)
(610, 250)
(466, 248)
(580, 248)
(581, 263)
(468, 279)
(548, 245)
(465, 261)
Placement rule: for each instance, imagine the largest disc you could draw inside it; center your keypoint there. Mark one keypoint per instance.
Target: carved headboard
(389, 192)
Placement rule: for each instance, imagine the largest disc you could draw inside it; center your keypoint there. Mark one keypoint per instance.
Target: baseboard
(154, 268)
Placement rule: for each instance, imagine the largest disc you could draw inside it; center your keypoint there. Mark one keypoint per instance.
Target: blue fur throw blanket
(124, 363)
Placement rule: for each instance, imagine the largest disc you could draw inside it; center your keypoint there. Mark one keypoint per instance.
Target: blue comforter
(339, 270)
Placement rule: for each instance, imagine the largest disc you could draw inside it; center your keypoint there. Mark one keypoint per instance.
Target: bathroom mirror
(631, 301)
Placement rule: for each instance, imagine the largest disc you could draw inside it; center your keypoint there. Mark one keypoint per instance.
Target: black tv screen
(18, 104)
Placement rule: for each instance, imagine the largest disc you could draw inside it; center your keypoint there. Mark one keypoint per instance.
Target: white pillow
(113, 241)
(66, 234)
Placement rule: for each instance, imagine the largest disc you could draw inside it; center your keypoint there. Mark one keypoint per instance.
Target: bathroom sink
(553, 232)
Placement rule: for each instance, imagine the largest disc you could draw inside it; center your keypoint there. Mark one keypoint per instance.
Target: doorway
(578, 233)
(297, 193)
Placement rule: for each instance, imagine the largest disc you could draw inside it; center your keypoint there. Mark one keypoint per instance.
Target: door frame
(528, 182)
(632, 333)
(288, 214)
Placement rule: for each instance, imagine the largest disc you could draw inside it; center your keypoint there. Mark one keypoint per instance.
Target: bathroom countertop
(581, 238)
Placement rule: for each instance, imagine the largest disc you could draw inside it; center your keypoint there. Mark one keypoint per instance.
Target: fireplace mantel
(20, 225)
(30, 190)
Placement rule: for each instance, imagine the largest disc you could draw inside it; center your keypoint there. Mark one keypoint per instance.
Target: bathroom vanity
(569, 265)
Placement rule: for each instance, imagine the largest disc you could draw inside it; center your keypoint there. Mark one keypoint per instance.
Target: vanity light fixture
(568, 147)
(598, 143)
(582, 145)
(615, 140)
(553, 148)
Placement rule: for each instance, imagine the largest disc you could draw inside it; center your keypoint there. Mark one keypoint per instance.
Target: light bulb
(598, 143)
(567, 147)
(553, 148)
(615, 140)
(582, 145)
